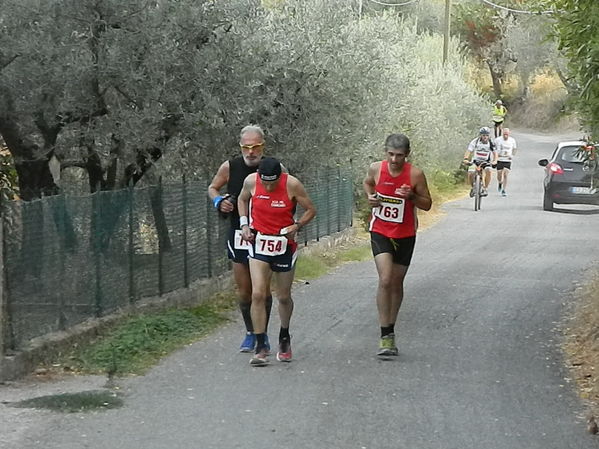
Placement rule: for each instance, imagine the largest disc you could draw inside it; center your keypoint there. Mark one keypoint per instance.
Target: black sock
(268, 309)
(386, 330)
(260, 342)
(245, 308)
(284, 334)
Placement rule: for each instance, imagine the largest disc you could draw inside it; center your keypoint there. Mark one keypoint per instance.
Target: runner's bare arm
(301, 196)
(218, 182)
(369, 184)
(421, 196)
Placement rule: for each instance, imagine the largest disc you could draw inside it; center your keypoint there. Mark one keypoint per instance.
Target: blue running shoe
(249, 343)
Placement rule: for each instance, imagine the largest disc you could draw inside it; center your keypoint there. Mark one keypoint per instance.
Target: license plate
(581, 190)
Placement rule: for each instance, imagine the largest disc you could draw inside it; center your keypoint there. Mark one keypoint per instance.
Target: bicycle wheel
(477, 192)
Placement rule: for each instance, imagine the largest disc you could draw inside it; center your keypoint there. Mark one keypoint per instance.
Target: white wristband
(243, 221)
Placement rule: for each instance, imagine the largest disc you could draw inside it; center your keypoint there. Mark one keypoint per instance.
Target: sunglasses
(251, 147)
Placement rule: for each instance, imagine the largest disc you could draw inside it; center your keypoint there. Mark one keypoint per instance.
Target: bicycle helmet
(499, 102)
(484, 131)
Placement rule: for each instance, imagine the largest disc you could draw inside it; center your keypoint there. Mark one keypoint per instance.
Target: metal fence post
(339, 197)
(131, 244)
(160, 252)
(61, 201)
(209, 214)
(97, 226)
(328, 178)
(4, 318)
(185, 261)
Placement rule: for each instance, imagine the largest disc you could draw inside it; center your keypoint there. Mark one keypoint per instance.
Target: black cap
(269, 169)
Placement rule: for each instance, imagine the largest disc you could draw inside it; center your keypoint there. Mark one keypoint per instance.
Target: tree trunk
(497, 81)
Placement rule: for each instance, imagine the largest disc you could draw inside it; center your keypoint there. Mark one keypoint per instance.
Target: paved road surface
(480, 365)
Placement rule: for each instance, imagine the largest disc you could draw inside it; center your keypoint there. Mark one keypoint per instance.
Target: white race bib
(239, 243)
(270, 245)
(392, 212)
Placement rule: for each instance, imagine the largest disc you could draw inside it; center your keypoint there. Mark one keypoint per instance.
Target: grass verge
(140, 341)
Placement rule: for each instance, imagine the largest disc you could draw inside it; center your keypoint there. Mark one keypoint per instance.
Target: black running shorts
(400, 249)
(501, 165)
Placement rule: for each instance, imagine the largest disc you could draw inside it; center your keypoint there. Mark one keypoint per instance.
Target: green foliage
(477, 25)
(140, 341)
(8, 176)
(576, 27)
(119, 80)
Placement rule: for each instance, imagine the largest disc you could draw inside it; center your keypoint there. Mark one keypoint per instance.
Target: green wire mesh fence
(71, 258)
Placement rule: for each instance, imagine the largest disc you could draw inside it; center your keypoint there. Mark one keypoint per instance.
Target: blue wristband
(216, 201)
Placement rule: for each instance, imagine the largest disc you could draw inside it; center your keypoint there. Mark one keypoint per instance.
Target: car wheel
(547, 202)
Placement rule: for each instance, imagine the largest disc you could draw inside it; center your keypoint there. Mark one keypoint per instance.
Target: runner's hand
(373, 200)
(226, 206)
(405, 191)
(246, 234)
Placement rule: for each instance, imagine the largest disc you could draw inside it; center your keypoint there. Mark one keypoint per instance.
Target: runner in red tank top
(266, 207)
(395, 217)
(395, 189)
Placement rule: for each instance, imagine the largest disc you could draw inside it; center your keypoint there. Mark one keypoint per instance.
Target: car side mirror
(543, 162)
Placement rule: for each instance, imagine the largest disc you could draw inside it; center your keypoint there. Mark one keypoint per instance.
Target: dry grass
(581, 344)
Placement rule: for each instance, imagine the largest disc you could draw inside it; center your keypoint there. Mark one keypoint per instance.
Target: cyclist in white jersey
(481, 149)
(506, 149)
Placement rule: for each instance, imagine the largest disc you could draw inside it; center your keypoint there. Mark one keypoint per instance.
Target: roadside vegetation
(581, 344)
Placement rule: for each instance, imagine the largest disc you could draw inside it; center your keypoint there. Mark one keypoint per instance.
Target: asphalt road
(479, 366)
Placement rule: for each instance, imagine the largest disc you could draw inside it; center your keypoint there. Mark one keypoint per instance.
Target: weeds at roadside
(139, 342)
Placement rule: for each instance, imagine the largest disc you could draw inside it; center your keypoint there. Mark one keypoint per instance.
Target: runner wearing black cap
(266, 205)
(232, 173)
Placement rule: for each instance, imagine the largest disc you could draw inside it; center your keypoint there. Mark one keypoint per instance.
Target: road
(480, 364)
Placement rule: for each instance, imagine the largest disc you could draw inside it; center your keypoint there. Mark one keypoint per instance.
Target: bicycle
(477, 184)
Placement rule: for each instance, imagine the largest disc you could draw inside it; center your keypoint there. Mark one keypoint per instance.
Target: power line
(517, 11)
(395, 4)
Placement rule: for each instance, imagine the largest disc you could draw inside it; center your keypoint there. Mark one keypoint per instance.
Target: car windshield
(571, 154)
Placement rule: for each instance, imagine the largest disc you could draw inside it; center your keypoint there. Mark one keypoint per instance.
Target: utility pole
(447, 27)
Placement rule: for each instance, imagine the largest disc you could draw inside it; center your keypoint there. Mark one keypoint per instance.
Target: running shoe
(503, 193)
(260, 358)
(387, 346)
(483, 192)
(284, 354)
(249, 343)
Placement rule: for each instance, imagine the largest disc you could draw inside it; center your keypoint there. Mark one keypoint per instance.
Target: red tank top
(395, 217)
(271, 211)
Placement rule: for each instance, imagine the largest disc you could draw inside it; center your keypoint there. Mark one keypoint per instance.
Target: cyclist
(481, 149)
(499, 113)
